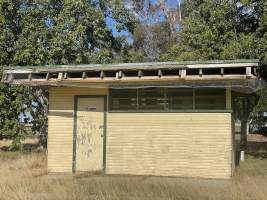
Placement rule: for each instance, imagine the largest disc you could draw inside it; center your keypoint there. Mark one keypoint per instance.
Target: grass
(24, 176)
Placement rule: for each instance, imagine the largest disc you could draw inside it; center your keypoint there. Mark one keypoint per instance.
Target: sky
(112, 25)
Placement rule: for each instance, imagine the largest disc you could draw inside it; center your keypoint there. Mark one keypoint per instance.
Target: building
(163, 119)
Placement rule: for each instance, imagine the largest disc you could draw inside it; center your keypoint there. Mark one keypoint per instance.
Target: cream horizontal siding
(169, 144)
(164, 144)
(60, 126)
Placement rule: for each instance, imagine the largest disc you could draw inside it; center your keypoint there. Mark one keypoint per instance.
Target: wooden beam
(159, 73)
(200, 72)
(230, 65)
(84, 75)
(222, 71)
(60, 75)
(119, 74)
(47, 76)
(127, 80)
(140, 73)
(182, 73)
(248, 72)
(65, 76)
(30, 76)
(102, 74)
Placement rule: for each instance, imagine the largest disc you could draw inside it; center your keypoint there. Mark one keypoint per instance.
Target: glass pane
(209, 98)
(151, 99)
(179, 98)
(123, 99)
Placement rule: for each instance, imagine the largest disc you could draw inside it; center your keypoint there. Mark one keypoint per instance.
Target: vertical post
(84, 75)
(182, 72)
(228, 98)
(119, 75)
(102, 74)
(47, 76)
(30, 76)
(159, 73)
(222, 71)
(60, 75)
(244, 124)
(200, 72)
(194, 98)
(248, 72)
(140, 74)
(65, 76)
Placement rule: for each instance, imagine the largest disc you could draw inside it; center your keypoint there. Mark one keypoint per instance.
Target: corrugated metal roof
(133, 65)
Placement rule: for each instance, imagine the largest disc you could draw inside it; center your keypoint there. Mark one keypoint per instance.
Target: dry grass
(24, 176)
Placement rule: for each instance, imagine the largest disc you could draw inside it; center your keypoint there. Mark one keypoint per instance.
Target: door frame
(76, 98)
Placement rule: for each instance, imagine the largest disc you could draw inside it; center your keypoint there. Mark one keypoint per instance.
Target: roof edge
(134, 64)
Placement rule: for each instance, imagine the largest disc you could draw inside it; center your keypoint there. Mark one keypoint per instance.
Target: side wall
(170, 144)
(60, 125)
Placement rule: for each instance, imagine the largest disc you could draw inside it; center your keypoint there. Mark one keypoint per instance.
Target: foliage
(221, 30)
(35, 32)
(40, 32)
(226, 30)
(155, 30)
(10, 103)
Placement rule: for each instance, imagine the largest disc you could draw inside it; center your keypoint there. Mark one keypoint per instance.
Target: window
(179, 98)
(123, 99)
(211, 98)
(167, 99)
(151, 99)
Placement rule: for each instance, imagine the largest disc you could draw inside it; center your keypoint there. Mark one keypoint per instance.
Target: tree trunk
(244, 124)
(243, 135)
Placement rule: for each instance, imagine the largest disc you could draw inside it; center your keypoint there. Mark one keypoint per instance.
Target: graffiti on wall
(88, 134)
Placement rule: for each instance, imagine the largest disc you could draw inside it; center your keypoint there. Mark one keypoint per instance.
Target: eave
(131, 73)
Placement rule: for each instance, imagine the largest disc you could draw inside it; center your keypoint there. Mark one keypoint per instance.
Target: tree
(36, 32)
(224, 30)
(157, 24)
(206, 28)
(221, 30)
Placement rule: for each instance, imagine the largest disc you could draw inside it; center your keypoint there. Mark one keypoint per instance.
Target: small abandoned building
(163, 119)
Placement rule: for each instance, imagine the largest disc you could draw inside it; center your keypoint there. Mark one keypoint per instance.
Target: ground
(24, 176)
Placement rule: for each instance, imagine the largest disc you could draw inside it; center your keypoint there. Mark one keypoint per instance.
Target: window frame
(166, 110)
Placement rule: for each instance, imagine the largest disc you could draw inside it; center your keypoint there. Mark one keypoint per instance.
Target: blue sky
(112, 25)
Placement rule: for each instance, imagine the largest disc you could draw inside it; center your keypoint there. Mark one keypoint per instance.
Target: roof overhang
(133, 74)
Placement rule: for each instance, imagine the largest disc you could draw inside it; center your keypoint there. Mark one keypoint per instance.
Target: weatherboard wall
(164, 144)
(170, 144)
(60, 125)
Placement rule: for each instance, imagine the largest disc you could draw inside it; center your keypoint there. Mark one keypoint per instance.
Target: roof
(127, 66)
(145, 73)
